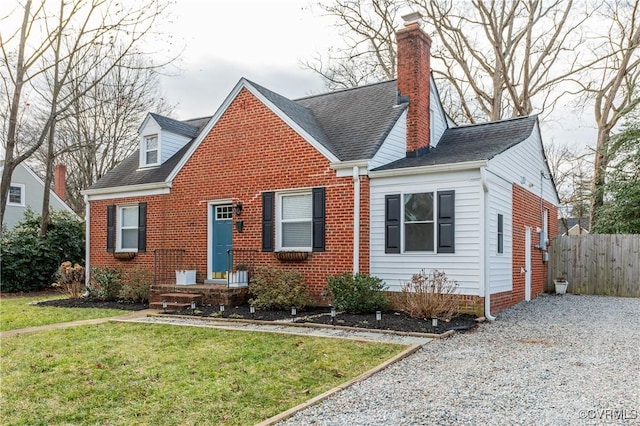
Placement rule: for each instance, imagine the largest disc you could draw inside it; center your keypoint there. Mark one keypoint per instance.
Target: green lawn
(15, 312)
(153, 374)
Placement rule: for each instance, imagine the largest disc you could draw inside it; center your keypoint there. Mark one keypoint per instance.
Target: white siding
(394, 146)
(170, 143)
(463, 265)
(500, 202)
(438, 120)
(525, 160)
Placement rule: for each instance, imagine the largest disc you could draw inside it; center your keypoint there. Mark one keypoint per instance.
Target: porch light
(193, 305)
(237, 209)
(434, 322)
(252, 310)
(378, 316)
(293, 311)
(333, 315)
(222, 307)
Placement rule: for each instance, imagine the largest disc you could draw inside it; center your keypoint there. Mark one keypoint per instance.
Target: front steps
(176, 301)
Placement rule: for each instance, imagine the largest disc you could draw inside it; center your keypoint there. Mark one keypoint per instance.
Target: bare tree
(369, 53)
(101, 129)
(613, 84)
(39, 58)
(496, 56)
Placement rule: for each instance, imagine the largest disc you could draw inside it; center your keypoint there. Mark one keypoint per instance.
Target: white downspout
(87, 240)
(356, 220)
(484, 265)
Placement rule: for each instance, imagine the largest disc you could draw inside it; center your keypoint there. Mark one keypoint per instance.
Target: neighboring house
(27, 190)
(573, 226)
(374, 179)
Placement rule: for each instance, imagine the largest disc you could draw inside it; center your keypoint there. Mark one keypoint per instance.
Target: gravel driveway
(558, 360)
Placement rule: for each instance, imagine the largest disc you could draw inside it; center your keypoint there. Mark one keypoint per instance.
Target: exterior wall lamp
(237, 209)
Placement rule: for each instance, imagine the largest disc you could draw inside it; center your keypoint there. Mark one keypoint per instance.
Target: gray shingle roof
(471, 143)
(174, 126)
(357, 120)
(127, 172)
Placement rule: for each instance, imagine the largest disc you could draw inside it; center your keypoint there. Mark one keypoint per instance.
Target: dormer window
(149, 150)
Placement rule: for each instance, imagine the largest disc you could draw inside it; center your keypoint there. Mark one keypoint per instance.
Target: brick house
(375, 179)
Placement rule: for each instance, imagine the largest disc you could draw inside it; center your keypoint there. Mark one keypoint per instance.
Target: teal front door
(221, 227)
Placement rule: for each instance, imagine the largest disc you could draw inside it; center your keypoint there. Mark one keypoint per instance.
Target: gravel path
(558, 360)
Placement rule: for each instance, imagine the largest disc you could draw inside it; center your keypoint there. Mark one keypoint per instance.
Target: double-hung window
(150, 150)
(127, 223)
(16, 195)
(418, 222)
(295, 221)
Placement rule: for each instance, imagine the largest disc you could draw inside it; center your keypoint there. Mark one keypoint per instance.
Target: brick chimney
(60, 181)
(414, 47)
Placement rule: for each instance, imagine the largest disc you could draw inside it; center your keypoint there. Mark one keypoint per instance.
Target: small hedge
(357, 294)
(29, 262)
(275, 289)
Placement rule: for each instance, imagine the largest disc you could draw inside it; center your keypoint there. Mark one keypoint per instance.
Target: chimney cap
(412, 18)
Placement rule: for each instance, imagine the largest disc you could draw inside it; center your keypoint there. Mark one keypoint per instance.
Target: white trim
(356, 220)
(278, 221)
(144, 151)
(211, 205)
(245, 84)
(87, 243)
(120, 220)
(527, 263)
(23, 190)
(438, 168)
(146, 189)
(485, 260)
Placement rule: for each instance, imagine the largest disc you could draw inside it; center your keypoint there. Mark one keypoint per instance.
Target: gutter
(87, 240)
(126, 188)
(356, 220)
(437, 168)
(484, 264)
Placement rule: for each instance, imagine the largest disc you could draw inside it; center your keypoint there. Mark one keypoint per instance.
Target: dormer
(161, 137)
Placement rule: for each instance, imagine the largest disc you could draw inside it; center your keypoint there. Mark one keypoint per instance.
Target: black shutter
(318, 219)
(392, 223)
(142, 226)
(446, 224)
(111, 228)
(268, 212)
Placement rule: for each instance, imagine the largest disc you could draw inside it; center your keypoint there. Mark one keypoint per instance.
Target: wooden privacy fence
(597, 264)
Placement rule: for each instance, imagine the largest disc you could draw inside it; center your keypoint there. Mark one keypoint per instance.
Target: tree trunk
(599, 173)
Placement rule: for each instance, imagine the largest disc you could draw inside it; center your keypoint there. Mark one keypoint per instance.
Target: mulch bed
(395, 321)
(93, 303)
(390, 320)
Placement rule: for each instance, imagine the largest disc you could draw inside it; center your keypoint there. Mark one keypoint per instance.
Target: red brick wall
(249, 150)
(413, 80)
(526, 212)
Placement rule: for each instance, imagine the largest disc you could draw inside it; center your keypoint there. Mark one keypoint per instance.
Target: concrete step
(173, 306)
(180, 297)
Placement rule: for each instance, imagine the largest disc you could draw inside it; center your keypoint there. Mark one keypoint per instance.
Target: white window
(150, 151)
(294, 225)
(127, 228)
(16, 195)
(418, 222)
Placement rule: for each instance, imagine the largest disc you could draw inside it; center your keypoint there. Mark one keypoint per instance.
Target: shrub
(136, 285)
(71, 279)
(428, 296)
(30, 262)
(274, 289)
(358, 294)
(106, 283)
